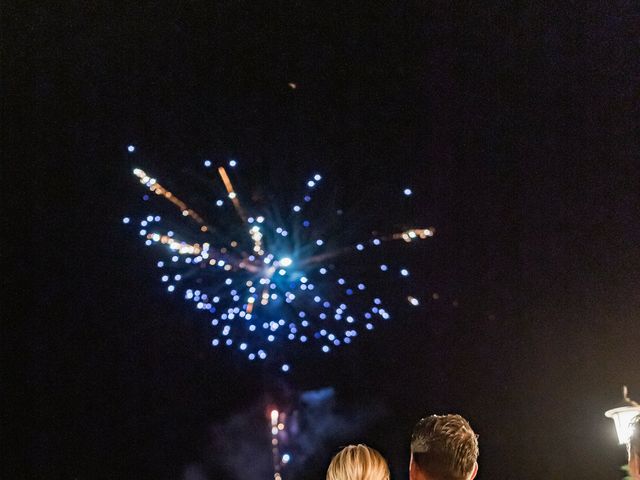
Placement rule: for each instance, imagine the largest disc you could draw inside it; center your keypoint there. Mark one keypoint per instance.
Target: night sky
(516, 126)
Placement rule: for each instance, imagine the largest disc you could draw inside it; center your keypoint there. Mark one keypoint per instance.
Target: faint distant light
(207, 163)
(383, 267)
(131, 148)
(232, 163)
(404, 272)
(292, 85)
(285, 368)
(219, 203)
(306, 223)
(407, 191)
(126, 220)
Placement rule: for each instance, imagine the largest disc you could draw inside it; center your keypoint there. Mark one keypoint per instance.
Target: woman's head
(358, 462)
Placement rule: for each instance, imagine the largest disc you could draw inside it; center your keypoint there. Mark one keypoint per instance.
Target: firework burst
(269, 276)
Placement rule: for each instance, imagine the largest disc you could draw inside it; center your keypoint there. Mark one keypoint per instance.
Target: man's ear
(412, 469)
(475, 471)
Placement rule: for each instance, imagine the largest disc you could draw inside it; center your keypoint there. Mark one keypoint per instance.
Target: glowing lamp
(622, 417)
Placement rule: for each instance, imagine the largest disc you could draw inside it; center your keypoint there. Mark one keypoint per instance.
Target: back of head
(444, 447)
(358, 462)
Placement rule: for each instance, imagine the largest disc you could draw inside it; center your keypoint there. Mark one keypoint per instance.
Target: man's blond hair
(445, 447)
(358, 462)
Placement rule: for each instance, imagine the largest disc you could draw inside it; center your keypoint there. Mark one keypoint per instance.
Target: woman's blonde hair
(358, 462)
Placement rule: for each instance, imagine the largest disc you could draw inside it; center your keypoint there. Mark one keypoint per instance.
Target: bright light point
(317, 177)
(413, 301)
(232, 195)
(215, 342)
(243, 346)
(207, 163)
(285, 368)
(383, 267)
(376, 241)
(407, 191)
(286, 261)
(404, 272)
(311, 184)
(303, 279)
(171, 288)
(250, 220)
(319, 242)
(260, 219)
(323, 271)
(369, 326)
(219, 203)
(325, 349)
(296, 208)
(232, 163)
(286, 457)
(131, 149)
(126, 220)
(359, 247)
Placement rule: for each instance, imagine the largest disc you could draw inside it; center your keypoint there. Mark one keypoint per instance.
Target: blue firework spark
(270, 276)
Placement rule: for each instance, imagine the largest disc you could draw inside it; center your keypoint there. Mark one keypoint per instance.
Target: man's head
(443, 447)
(634, 449)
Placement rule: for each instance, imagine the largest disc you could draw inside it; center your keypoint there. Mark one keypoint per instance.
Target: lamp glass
(622, 418)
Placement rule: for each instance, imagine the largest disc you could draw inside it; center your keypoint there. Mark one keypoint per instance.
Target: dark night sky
(518, 123)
